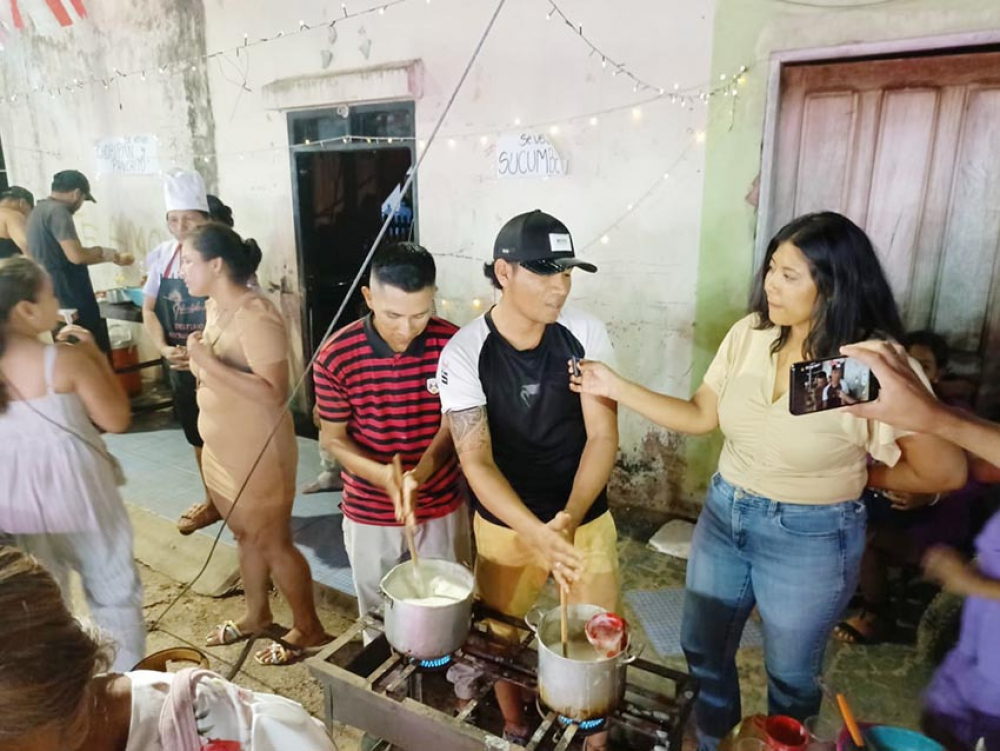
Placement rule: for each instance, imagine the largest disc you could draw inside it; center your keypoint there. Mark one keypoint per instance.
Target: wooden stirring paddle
(564, 617)
(407, 504)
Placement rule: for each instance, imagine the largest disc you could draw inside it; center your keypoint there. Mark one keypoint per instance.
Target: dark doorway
(349, 165)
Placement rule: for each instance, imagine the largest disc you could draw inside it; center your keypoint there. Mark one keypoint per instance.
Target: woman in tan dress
(250, 454)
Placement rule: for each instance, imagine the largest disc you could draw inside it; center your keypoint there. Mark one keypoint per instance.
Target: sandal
(225, 634)
(866, 628)
(199, 515)
(276, 654)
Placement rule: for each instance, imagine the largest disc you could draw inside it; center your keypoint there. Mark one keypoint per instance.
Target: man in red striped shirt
(377, 396)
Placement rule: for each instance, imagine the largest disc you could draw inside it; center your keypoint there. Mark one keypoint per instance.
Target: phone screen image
(819, 385)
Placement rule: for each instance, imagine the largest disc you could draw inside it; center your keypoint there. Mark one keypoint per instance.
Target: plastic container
(125, 354)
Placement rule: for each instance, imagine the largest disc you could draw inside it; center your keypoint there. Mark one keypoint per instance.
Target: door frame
(339, 146)
(838, 53)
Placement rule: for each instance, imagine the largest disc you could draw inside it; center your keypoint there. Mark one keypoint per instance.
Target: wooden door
(909, 148)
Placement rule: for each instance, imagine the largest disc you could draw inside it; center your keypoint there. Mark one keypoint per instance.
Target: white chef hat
(184, 191)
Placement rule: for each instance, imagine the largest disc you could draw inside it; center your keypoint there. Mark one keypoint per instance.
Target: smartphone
(576, 366)
(819, 385)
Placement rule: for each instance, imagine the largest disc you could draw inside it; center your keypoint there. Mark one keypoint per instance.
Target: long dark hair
(854, 301)
(241, 257)
(20, 279)
(47, 659)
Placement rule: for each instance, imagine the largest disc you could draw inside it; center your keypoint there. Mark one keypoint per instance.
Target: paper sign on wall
(128, 155)
(528, 155)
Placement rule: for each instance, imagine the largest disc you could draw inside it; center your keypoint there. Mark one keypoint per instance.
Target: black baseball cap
(540, 243)
(70, 180)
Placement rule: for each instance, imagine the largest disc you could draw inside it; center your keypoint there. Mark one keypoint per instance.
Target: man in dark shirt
(536, 455)
(53, 242)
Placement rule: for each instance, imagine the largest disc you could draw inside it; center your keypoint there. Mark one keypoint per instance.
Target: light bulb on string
(451, 143)
(605, 240)
(483, 140)
(517, 121)
(554, 130)
(637, 113)
(477, 303)
(548, 16)
(381, 11)
(666, 175)
(593, 121)
(700, 136)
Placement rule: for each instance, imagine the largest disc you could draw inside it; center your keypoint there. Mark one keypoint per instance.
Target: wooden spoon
(397, 469)
(564, 617)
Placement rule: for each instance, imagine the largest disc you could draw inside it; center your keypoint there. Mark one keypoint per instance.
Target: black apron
(179, 312)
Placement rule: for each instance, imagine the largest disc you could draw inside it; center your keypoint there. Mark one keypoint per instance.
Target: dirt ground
(188, 622)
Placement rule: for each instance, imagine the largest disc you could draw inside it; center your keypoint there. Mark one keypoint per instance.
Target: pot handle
(631, 653)
(534, 618)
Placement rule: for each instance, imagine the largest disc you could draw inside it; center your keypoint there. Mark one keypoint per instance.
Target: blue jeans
(799, 564)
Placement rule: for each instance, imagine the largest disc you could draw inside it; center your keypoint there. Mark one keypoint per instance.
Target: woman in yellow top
(241, 363)
(782, 527)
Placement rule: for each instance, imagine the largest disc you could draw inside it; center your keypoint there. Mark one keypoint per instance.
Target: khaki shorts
(510, 575)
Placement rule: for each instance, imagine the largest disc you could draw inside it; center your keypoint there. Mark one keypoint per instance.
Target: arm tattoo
(470, 429)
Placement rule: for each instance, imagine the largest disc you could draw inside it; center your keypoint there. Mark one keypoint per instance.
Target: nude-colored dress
(234, 428)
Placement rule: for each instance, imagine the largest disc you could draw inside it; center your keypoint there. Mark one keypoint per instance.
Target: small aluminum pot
(578, 689)
(426, 631)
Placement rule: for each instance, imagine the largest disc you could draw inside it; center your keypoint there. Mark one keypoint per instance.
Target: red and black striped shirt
(391, 405)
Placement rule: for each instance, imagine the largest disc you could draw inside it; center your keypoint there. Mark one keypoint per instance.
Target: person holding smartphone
(782, 527)
(962, 703)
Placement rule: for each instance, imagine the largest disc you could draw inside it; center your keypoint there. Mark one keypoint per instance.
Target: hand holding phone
(820, 385)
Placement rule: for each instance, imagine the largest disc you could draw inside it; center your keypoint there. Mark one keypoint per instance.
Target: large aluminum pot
(578, 689)
(425, 630)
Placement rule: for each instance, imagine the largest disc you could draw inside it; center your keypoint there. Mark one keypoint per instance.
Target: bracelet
(108, 255)
(937, 497)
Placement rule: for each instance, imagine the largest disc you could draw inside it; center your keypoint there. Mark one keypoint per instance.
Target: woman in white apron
(170, 314)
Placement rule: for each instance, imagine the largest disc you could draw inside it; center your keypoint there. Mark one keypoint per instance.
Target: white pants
(373, 550)
(104, 561)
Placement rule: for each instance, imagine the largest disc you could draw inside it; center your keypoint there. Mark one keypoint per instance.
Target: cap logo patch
(560, 242)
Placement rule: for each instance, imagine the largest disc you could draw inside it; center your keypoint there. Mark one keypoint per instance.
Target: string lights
(677, 95)
(191, 63)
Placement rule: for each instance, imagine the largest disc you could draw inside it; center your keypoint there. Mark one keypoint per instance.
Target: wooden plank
(899, 180)
(827, 136)
(973, 232)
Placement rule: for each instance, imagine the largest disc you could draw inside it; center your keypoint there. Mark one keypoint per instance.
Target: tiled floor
(163, 478)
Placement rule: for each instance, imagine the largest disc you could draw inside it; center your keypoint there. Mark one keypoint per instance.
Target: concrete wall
(755, 30)
(530, 68)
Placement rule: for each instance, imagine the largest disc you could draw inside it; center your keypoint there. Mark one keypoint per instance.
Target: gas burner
(411, 703)
(586, 726)
(432, 665)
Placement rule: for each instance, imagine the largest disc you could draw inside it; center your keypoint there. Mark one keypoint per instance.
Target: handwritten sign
(528, 155)
(128, 155)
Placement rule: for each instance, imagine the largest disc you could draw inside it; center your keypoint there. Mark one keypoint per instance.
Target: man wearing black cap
(53, 242)
(536, 455)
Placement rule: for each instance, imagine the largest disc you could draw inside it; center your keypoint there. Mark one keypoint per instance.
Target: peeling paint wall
(531, 70)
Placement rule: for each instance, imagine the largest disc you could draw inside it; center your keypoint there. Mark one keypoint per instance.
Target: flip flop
(198, 516)
(847, 633)
(276, 655)
(225, 634)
